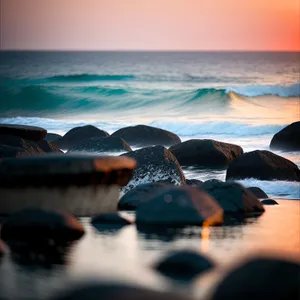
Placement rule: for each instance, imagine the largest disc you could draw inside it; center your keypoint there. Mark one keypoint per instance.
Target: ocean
(235, 97)
(242, 98)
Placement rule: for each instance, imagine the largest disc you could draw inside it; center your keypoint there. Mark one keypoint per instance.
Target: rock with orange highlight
(233, 197)
(179, 206)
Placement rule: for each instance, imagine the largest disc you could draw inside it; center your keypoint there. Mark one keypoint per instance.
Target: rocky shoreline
(43, 190)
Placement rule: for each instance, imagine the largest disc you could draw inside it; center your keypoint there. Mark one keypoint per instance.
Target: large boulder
(83, 185)
(184, 264)
(288, 138)
(52, 137)
(261, 278)
(258, 192)
(179, 206)
(142, 136)
(48, 147)
(233, 197)
(31, 133)
(34, 228)
(116, 291)
(193, 182)
(269, 202)
(14, 146)
(133, 198)
(102, 144)
(155, 164)
(263, 165)
(207, 153)
(78, 135)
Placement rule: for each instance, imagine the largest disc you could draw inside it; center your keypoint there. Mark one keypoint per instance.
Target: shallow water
(127, 254)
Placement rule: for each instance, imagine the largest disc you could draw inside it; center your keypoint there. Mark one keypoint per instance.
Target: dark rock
(115, 291)
(2, 249)
(82, 185)
(263, 165)
(155, 164)
(132, 199)
(31, 133)
(261, 278)
(208, 153)
(213, 180)
(13, 146)
(179, 206)
(259, 193)
(106, 144)
(52, 137)
(39, 229)
(269, 202)
(110, 219)
(288, 138)
(233, 197)
(142, 136)
(78, 135)
(193, 182)
(185, 264)
(48, 147)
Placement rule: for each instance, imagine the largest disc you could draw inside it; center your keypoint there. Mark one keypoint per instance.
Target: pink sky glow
(150, 24)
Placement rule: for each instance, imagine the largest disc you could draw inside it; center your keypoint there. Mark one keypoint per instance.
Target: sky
(150, 25)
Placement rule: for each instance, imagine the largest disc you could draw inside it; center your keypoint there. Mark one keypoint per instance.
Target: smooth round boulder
(52, 137)
(25, 132)
(78, 135)
(14, 146)
(263, 165)
(193, 182)
(103, 144)
(133, 198)
(184, 264)
(261, 278)
(143, 135)
(39, 229)
(154, 164)
(233, 197)
(179, 206)
(110, 219)
(116, 291)
(269, 202)
(258, 192)
(287, 139)
(206, 153)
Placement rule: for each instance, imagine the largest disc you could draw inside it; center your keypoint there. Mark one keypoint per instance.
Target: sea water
(241, 98)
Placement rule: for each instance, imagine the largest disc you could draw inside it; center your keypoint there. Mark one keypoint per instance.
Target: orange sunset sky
(150, 24)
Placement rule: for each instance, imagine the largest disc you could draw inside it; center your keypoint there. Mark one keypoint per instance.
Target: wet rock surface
(263, 165)
(78, 135)
(103, 144)
(233, 197)
(143, 136)
(154, 164)
(132, 199)
(261, 278)
(184, 265)
(179, 206)
(258, 192)
(288, 138)
(208, 153)
(31, 133)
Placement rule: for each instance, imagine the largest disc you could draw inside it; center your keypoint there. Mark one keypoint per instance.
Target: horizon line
(144, 50)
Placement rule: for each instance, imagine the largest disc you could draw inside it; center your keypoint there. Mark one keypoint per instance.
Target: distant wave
(263, 90)
(44, 97)
(88, 77)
